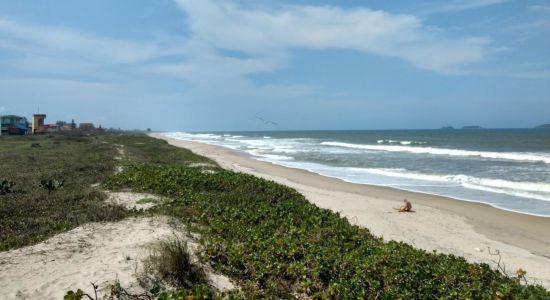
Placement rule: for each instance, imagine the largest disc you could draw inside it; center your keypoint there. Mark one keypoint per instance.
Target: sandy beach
(95, 252)
(98, 253)
(471, 230)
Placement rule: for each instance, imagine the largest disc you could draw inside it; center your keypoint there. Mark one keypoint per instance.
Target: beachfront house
(13, 125)
(38, 123)
(86, 126)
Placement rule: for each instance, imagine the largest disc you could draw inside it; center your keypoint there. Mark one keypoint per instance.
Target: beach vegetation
(266, 237)
(276, 244)
(7, 187)
(72, 295)
(48, 190)
(52, 184)
(170, 263)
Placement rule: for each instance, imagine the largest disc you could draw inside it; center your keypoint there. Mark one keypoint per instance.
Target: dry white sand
(446, 225)
(95, 252)
(132, 200)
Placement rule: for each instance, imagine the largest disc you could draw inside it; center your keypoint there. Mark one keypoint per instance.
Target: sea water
(506, 168)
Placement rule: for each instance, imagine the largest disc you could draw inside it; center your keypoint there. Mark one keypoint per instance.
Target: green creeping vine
(277, 245)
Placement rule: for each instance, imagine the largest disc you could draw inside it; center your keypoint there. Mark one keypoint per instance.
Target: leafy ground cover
(263, 235)
(278, 245)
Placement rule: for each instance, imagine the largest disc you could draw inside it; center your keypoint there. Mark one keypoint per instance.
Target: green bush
(7, 187)
(278, 245)
(170, 261)
(52, 184)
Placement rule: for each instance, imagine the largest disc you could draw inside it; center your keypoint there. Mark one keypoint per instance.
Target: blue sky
(205, 65)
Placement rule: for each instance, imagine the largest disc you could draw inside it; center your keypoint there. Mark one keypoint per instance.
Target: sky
(226, 65)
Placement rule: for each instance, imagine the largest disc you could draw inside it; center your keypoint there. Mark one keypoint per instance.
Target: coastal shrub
(171, 262)
(52, 184)
(7, 187)
(278, 245)
(72, 295)
(117, 292)
(198, 291)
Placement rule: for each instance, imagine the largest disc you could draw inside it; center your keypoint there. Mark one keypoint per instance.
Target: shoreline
(395, 188)
(437, 169)
(475, 231)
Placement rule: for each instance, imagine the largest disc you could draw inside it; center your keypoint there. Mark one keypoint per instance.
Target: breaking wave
(400, 142)
(535, 190)
(515, 156)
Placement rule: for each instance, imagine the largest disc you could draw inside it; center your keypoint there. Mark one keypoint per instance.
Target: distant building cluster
(17, 125)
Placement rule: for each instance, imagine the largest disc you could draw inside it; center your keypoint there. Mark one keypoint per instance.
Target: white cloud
(68, 53)
(66, 42)
(266, 37)
(228, 26)
(56, 87)
(460, 5)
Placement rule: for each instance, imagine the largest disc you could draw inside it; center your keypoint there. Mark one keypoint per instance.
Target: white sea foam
(269, 157)
(418, 182)
(530, 190)
(286, 150)
(194, 136)
(258, 147)
(400, 142)
(515, 156)
(534, 190)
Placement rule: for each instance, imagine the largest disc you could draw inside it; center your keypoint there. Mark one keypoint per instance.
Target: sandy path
(446, 225)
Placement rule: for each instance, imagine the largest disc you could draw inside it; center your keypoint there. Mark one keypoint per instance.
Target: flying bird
(266, 122)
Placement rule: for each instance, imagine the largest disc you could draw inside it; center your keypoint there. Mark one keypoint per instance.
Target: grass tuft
(171, 262)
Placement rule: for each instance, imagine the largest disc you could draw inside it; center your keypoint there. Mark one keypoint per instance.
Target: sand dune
(95, 252)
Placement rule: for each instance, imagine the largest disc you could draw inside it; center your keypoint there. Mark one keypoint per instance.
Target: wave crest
(401, 142)
(535, 190)
(515, 156)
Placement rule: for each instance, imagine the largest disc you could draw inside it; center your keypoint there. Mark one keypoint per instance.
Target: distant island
(447, 127)
(543, 126)
(472, 127)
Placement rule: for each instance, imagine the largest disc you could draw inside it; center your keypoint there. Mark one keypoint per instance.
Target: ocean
(505, 168)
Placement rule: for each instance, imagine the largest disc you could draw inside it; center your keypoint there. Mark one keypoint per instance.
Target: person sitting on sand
(406, 207)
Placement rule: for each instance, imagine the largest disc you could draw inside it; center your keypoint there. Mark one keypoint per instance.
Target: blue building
(13, 125)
